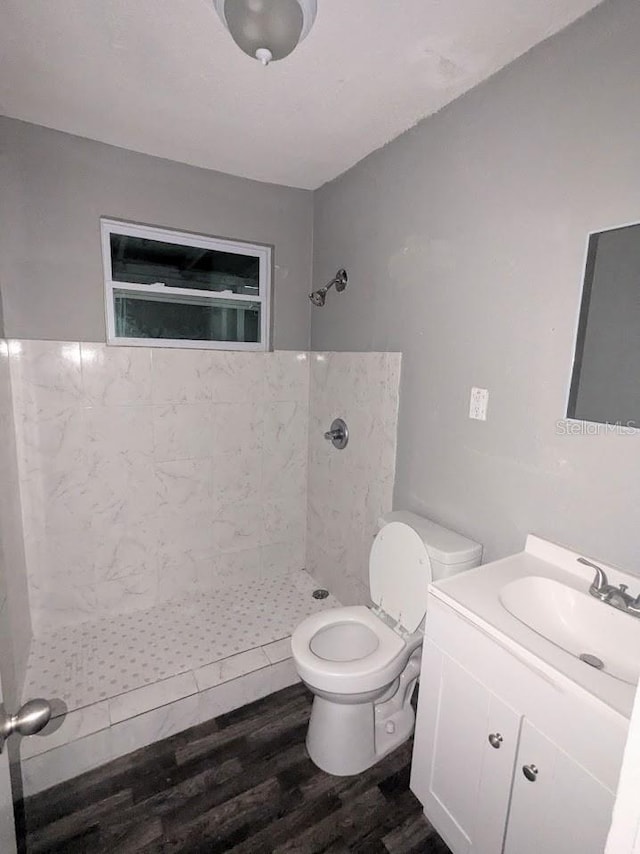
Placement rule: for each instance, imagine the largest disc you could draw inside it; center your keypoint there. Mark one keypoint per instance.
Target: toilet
(360, 662)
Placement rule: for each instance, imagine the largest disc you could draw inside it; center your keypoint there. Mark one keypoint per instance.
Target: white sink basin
(577, 623)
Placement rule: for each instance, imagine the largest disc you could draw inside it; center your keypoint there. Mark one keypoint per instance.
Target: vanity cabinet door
(557, 807)
(462, 776)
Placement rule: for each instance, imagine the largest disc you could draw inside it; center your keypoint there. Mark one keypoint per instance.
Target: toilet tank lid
(443, 545)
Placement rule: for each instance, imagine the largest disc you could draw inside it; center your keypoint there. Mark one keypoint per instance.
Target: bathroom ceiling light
(267, 29)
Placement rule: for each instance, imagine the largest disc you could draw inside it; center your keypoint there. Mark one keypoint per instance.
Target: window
(175, 289)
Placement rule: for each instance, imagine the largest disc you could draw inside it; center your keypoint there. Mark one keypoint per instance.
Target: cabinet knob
(495, 740)
(530, 772)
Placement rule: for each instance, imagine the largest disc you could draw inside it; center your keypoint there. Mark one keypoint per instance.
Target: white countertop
(475, 595)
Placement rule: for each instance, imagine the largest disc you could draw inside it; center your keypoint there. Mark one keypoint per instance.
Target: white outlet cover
(478, 403)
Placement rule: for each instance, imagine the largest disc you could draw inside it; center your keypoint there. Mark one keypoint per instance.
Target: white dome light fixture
(267, 30)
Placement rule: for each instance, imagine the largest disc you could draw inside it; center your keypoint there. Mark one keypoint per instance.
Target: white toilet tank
(449, 552)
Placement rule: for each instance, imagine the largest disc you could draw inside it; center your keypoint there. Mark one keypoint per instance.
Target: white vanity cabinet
(505, 760)
(556, 806)
(462, 780)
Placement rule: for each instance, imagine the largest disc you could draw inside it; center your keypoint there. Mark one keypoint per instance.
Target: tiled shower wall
(148, 473)
(15, 621)
(349, 490)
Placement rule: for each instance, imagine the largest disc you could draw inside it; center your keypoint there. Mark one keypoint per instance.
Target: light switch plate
(478, 403)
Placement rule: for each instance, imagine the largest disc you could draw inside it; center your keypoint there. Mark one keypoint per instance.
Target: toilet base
(340, 738)
(345, 740)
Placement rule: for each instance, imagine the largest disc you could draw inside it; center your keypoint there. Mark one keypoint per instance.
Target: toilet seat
(399, 574)
(352, 676)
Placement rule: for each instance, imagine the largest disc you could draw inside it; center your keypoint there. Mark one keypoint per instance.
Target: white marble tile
(283, 557)
(152, 656)
(181, 376)
(61, 558)
(377, 501)
(284, 470)
(116, 375)
(115, 432)
(73, 726)
(183, 431)
(188, 537)
(56, 604)
(47, 376)
(150, 697)
(237, 427)
(285, 426)
(184, 523)
(341, 514)
(239, 526)
(183, 487)
(286, 376)
(60, 499)
(128, 593)
(230, 668)
(86, 741)
(119, 490)
(277, 651)
(236, 476)
(347, 491)
(152, 726)
(327, 573)
(352, 590)
(53, 767)
(394, 371)
(122, 549)
(177, 576)
(237, 377)
(282, 675)
(369, 378)
(284, 519)
(57, 436)
(10, 674)
(107, 656)
(232, 695)
(228, 569)
(89, 417)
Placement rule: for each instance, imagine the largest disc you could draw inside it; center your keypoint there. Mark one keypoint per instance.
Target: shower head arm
(328, 286)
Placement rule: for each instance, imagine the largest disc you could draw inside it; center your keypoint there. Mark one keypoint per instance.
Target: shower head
(340, 280)
(319, 297)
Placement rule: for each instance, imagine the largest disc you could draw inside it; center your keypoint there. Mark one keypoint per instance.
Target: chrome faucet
(617, 597)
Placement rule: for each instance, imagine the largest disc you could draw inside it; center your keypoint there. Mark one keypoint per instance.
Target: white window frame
(166, 235)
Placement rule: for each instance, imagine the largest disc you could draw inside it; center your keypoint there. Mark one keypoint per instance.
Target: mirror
(605, 385)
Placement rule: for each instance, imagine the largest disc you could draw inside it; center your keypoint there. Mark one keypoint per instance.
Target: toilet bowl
(362, 663)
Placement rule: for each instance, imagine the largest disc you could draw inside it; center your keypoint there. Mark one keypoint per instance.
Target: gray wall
(56, 186)
(465, 240)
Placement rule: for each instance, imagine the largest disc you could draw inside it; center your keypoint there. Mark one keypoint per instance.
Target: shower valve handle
(338, 435)
(334, 434)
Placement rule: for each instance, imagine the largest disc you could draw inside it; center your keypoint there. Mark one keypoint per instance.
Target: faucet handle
(600, 581)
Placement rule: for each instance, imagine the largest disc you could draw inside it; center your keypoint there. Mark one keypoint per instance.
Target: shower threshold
(122, 682)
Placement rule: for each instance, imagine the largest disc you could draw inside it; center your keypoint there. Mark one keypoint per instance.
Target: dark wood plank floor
(243, 783)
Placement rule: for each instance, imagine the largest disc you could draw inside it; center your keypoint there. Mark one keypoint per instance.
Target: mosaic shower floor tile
(92, 661)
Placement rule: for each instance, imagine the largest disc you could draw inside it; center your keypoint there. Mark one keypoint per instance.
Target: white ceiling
(164, 77)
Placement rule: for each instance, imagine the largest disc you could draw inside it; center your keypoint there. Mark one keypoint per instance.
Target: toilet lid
(399, 574)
